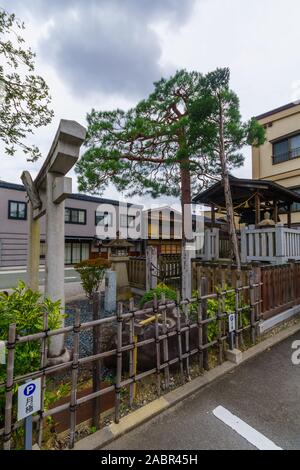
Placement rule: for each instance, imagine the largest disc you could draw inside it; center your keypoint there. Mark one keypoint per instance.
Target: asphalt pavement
(263, 394)
(9, 277)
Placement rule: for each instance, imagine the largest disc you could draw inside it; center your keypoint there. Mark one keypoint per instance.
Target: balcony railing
(284, 157)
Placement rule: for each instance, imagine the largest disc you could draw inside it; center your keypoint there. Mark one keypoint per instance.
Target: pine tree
(218, 127)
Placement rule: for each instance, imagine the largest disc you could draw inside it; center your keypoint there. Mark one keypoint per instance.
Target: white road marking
(247, 432)
(74, 277)
(24, 271)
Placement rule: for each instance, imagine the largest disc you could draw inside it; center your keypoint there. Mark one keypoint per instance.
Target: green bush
(92, 272)
(160, 289)
(212, 310)
(26, 309)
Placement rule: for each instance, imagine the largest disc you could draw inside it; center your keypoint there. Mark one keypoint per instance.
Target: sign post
(29, 402)
(231, 324)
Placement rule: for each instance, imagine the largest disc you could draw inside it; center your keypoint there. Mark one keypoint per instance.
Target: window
(75, 216)
(17, 210)
(76, 251)
(127, 221)
(43, 250)
(103, 218)
(286, 149)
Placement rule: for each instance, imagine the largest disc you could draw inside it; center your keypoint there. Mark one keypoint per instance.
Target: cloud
(105, 46)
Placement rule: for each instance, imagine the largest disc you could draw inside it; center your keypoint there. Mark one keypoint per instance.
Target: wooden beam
(257, 209)
(213, 216)
(275, 203)
(289, 215)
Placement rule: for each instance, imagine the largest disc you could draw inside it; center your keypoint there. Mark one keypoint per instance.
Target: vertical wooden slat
(44, 354)
(204, 290)
(132, 371)
(187, 339)
(97, 363)
(237, 304)
(119, 363)
(200, 328)
(165, 344)
(157, 345)
(9, 386)
(74, 378)
(252, 307)
(179, 339)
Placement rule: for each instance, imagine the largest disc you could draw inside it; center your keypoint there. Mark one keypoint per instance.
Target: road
(9, 277)
(264, 393)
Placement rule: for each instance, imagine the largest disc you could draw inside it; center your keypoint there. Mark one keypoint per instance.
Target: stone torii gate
(46, 197)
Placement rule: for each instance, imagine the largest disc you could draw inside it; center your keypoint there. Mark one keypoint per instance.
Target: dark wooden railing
(280, 288)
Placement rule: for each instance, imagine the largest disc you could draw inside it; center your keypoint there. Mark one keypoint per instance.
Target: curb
(110, 433)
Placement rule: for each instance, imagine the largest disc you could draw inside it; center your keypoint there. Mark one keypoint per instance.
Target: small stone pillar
(110, 296)
(118, 255)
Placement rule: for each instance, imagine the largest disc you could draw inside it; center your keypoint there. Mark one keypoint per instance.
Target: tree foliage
(24, 96)
(92, 272)
(149, 149)
(217, 124)
(218, 106)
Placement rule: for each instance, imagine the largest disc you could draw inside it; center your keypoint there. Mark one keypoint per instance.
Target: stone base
(65, 356)
(124, 293)
(234, 355)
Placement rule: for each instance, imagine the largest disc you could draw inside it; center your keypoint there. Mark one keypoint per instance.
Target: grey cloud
(106, 45)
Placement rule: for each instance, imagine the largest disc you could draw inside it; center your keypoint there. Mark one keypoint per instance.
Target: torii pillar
(47, 195)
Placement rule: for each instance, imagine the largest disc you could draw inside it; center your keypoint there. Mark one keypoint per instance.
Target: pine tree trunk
(228, 196)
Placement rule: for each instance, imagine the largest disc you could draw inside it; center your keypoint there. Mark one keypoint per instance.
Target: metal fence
(181, 332)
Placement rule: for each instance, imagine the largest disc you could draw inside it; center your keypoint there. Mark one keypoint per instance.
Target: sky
(106, 54)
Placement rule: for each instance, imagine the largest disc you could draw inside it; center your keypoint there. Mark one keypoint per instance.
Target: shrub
(158, 291)
(26, 309)
(212, 310)
(92, 273)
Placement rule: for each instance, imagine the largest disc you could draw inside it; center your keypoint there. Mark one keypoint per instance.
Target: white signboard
(231, 320)
(29, 398)
(2, 352)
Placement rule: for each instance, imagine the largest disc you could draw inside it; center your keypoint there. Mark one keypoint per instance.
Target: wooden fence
(137, 272)
(280, 288)
(168, 271)
(279, 285)
(193, 332)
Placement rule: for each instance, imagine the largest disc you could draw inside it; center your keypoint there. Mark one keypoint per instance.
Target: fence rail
(171, 345)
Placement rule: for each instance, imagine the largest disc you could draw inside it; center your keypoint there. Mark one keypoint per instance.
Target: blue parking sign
(29, 398)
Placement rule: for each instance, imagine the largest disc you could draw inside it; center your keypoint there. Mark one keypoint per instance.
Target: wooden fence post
(75, 365)
(9, 386)
(119, 362)
(44, 355)
(204, 291)
(97, 362)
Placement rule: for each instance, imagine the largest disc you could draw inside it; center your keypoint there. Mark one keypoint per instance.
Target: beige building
(279, 158)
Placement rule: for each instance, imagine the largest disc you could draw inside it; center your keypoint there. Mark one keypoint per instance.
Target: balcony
(286, 156)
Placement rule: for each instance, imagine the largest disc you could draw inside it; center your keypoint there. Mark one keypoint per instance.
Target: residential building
(278, 159)
(82, 216)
